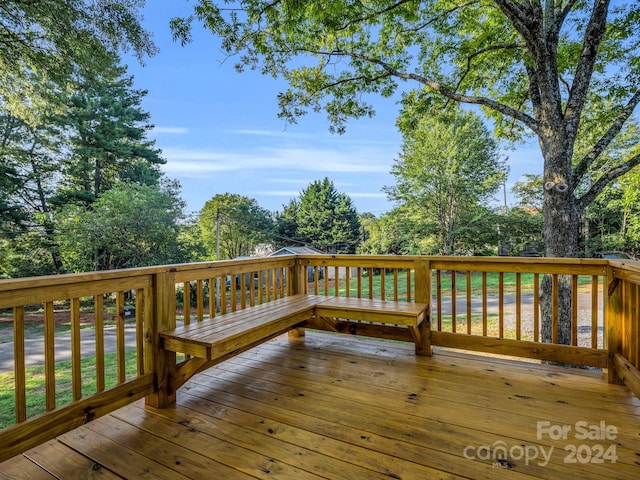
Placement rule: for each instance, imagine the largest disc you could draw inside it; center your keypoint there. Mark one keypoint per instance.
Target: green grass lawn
(36, 384)
(492, 278)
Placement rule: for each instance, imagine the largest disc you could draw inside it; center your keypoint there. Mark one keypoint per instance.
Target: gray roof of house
(296, 251)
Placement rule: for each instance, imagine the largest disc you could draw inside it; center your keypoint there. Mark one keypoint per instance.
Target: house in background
(314, 251)
(301, 251)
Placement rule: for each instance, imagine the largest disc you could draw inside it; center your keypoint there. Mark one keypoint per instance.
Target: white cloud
(198, 161)
(171, 130)
(278, 193)
(269, 133)
(367, 195)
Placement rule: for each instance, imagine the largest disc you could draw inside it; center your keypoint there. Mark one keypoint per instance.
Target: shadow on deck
(336, 408)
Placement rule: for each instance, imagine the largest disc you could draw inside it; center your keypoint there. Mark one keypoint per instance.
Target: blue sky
(219, 130)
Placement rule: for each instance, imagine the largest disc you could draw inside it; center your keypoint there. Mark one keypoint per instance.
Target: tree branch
(604, 180)
(584, 70)
(585, 163)
(449, 93)
(470, 58)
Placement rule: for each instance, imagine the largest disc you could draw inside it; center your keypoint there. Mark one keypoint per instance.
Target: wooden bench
(216, 339)
(374, 318)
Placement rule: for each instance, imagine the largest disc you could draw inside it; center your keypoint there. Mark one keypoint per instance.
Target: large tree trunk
(561, 229)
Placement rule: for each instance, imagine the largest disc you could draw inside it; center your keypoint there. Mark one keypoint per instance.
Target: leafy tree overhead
(327, 219)
(535, 67)
(243, 224)
(49, 40)
(449, 166)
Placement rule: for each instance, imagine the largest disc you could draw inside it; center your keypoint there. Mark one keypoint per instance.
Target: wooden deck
(332, 407)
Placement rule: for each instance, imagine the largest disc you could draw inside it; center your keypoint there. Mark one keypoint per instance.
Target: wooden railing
(485, 304)
(623, 323)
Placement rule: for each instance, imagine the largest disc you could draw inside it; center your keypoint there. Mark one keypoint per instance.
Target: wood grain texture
(323, 407)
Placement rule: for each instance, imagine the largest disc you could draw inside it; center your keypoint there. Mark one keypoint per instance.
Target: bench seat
(388, 319)
(235, 331)
(218, 338)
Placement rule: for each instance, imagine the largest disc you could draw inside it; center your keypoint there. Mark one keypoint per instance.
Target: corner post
(163, 317)
(423, 295)
(297, 274)
(614, 317)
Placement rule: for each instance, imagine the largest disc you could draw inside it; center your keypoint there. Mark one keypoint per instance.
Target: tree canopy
(127, 226)
(243, 224)
(551, 69)
(50, 41)
(322, 217)
(449, 167)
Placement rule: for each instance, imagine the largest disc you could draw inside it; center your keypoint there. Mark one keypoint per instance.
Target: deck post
(157, 360)
(298, 276)
(423, 295)
(613, 317)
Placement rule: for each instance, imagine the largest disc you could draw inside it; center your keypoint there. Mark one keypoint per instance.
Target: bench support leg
(296, 332)
(423, 346)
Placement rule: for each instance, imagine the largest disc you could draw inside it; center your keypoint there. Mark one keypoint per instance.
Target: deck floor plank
(22, 468)
(326, 406)
(355, 409)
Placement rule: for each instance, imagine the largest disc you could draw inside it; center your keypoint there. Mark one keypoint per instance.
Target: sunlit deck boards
(328, 407)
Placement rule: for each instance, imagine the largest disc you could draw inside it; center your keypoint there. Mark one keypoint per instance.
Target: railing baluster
(223, 295)
(98, 318)
(594, 311)
(554, 308)
(626, 319)
(76, 361)
(439, 298)
(536, 307)
(454, 305)
(234, 292)
(468, 277)
(484, 304)
(140, 306)
(395, 284)
(186, 302)
(574, 310)
(633, 325)
(326, 281)
(268, 281)
(409, 292)
(518, 306)
(501, 304)
(19, 364)
(120, 344)
(383, 284)
(347, 281)
(371, 273)
(200, 300)
(211, 284)
(49, 357)
(285, 280)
